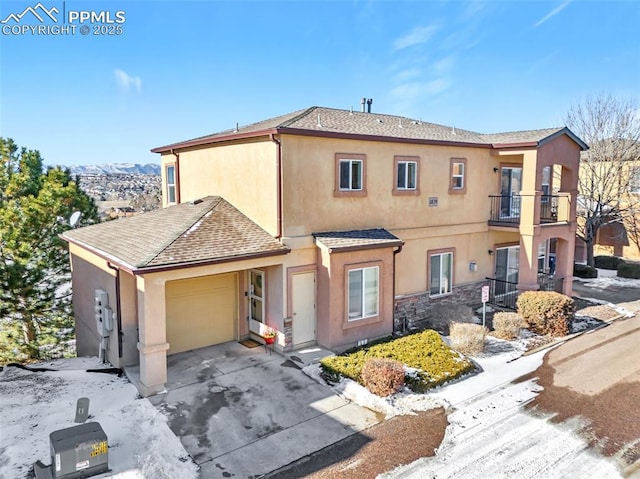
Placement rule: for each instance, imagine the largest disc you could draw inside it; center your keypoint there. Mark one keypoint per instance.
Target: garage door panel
(201, 312)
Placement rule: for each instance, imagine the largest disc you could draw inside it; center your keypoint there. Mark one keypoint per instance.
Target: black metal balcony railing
(503, 293)
(505, 209)
(549, 208)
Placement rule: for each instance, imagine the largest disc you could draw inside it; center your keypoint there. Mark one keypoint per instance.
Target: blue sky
(184, 69)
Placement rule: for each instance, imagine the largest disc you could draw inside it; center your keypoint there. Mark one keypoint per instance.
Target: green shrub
(629, 270)
(383, 376)
(546, 312)
(507, 325)
(584, 271)
(426, 352)
(607, 262)
(468, 338)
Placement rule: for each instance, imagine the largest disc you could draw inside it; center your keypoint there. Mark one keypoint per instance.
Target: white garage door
(201, 311)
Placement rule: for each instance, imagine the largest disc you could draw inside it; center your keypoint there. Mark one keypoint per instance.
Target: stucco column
(564, 263)
(152, 335)
(528, 267)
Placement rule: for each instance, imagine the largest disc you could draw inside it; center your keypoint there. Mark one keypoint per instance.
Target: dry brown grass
(467, 338)
(507, 325)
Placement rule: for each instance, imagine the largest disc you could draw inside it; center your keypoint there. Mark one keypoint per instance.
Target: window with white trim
(350, 175)
(457, 175)
(363, 292)
(171, 184)
(407, 174)
(440, 273)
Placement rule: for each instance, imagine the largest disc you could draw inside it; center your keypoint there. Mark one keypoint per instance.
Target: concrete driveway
(244, 412)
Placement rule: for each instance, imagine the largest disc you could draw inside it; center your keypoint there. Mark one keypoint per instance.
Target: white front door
(256, 300)
(303, 289)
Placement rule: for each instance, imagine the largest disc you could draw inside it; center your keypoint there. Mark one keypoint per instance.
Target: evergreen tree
(35, 292)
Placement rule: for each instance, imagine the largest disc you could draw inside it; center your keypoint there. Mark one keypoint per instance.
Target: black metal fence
(503, 293)
(549, 282)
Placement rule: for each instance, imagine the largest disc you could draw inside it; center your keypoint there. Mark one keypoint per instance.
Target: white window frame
(406, 181)
(171, 187)
(363, 298)
(442, 287)
(454, 176)
(350, 161)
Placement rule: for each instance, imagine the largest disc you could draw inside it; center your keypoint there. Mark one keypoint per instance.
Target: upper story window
(406, 175)
(363, 292)
(350, 175)
(171, 184)
(458, 183)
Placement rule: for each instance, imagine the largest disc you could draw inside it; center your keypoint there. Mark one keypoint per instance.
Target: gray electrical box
(79, 451)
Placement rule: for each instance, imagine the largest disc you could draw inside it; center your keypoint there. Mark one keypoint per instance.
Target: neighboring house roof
(330, 122)
(357, 239)
(204, 231)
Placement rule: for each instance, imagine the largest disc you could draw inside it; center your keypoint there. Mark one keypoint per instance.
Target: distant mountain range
(116, 168)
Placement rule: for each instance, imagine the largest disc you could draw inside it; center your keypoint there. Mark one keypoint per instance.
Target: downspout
(278, 186)
(177, 178)
(118, 308)
(393, 288)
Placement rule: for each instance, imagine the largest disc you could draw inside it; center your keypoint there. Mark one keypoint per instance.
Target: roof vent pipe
(369, 102)
(363, 102)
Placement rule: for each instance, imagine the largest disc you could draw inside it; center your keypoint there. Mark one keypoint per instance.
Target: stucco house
(332, 226)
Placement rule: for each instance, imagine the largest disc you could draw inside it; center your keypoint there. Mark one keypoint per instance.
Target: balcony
(506, 209)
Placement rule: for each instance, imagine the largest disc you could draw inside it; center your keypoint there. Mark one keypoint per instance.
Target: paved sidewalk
(619, 295)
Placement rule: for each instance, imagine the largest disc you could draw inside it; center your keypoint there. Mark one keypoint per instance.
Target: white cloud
(415, 90)
(445, 64)
(417, 36)
(408, 74)
(126, 82)
(552, 13)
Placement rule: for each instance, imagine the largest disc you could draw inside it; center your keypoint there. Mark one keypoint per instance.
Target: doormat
(250, 343)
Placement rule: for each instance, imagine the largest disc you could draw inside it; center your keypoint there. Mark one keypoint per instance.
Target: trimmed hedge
(607, 262)
(546, 312)
(425, 351)
(584, 271)
(629, 270)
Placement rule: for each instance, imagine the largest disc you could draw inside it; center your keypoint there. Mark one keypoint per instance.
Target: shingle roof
(329, 121)
(203, 231)
(357, 239)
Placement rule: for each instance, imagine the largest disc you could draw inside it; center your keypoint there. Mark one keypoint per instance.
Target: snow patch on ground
(34, 404)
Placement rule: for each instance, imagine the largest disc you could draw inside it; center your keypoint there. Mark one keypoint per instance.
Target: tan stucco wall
(309, 172)
(243, 174)
(90, 273)
(333, 329)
